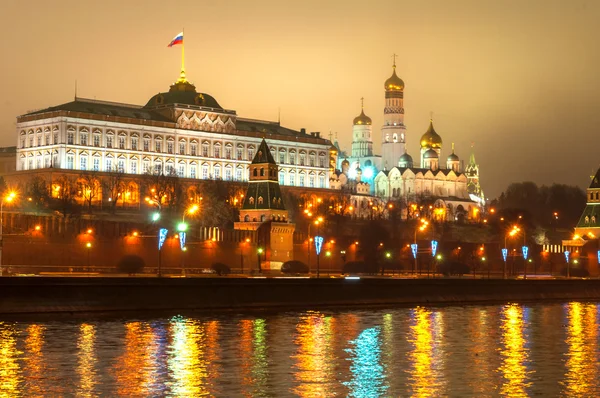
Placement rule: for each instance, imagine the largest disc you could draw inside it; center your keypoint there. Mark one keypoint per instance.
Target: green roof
(263, 154)
(596, 180)
(270, 193)
(592, 212)
(184, 98)
(105, 108)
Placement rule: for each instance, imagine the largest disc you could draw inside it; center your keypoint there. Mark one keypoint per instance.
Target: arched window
(262, 218)
(251, 200)
(260, 200)
(255, 173)
(262, 172)
(587, 220)
(247, 217)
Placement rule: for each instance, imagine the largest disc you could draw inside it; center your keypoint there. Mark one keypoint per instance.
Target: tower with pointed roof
(589, 222)
(472, 173)
(263, 210)
(393, 131)
(362, 142)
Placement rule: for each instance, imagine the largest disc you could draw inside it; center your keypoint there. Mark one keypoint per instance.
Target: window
(301, 180)
(292, 158)
(169, 169)
(322, 161)
(157, 168)
(70, 161)
(205, 171)
(133, 167)
(262, 172)
(238, 174)
(260, 200)
(47, 139)
(30, 164)
(250, 154)
(228, 173)
(281, 158)
(39, 162)
(134, 142)
(321, 182)
(281, 178)
(311, 181)
(145, 166)
(108, 164)
(109, 141)
(96, 164)
(217, 151)
(170, 147)
(251, 200)
(121, 165)
(227, 153)
(83, 163)
(39, 140)
(181, 171)
(205, 150)
(96, 140)
(70, 136)
(82, 138)
(217, 171)
(55, 138)
(157, 146)
(146, 144)
(192, 171)
(47, 161)
(193, 149)
(22, 142)
(302, 159)
(240, 153)
(121, 142)
(311, 160)
(292, 179)
(182, 148)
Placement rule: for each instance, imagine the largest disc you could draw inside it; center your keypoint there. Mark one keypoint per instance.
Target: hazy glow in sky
(518, 78)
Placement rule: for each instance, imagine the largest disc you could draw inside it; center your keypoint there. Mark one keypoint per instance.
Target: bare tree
(88, 188)
(66, 190)
(114, 186)
(162, 189)
(38, 193)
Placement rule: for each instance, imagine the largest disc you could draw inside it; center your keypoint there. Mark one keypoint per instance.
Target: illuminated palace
(180, 131)
(395, 176)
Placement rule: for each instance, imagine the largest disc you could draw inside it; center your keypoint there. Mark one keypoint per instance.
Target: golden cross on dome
(431, 116)
(330, 135)
(394, 57)
(362, 102)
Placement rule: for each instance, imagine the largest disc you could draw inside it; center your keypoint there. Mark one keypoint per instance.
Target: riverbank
(28, 295)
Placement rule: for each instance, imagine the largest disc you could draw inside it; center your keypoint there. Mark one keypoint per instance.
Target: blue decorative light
(504, 254)
(598, 256)
(567, 255)
(182, 239)
(162, 236)
(318, 244)
(525, 252)
(434, 245)
(414, 248)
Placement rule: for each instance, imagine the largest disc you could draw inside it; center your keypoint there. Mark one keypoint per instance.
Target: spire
(472, 157)
(394, 64)
(362, 103)
(453, 147)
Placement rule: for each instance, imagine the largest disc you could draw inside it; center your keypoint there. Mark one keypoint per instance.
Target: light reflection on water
(510, 350)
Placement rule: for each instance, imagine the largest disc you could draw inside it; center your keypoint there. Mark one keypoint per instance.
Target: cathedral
(453, 193)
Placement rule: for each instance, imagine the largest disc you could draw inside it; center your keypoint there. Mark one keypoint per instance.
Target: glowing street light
(8, 198)
(155, 216)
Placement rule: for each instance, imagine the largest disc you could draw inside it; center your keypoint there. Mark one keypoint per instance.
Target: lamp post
(259, 251)
(242, 254)
(318, 247)
(89, 249)
(515, 230)
(421, 228)
(8, 198)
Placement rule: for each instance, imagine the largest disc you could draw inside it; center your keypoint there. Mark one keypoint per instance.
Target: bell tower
(393, 132)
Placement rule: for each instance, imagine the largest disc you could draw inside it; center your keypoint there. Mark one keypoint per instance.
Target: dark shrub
(294, 267)
(359, 267)
(453, 268)
(576, 272)
(221, 269)
(131, 264)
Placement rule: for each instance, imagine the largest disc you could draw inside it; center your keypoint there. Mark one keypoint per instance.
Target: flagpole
(183, 54)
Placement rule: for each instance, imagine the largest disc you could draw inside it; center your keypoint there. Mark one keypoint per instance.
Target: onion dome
(405, 158)
(453, 157)
(431, 139)
(358, 169)
(430, 154)
(345, 162)
(362, 119)
(394, 83)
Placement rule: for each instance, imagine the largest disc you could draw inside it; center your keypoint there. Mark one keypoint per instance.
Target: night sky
(519, 78)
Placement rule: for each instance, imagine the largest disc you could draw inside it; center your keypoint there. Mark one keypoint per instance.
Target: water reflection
(368, 378)
(34, 368)
(188, 360)
(253, 352)
(10, 371)
(581, 365)
(86, 358)
(314, 369)
(514, 353)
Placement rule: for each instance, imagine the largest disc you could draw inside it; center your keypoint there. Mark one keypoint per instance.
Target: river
(546, 349)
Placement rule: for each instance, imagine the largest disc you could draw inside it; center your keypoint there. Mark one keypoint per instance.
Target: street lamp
(8, 198)
(421, 228)
(88, 245)
(259, 251)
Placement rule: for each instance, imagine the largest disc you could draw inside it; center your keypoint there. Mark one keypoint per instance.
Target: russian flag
(176, 40)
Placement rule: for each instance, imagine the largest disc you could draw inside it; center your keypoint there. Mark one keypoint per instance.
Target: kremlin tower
(393, 130)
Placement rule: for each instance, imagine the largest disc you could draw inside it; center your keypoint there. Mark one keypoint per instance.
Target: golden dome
(394, 83)
(362, 119)
(431, 139)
